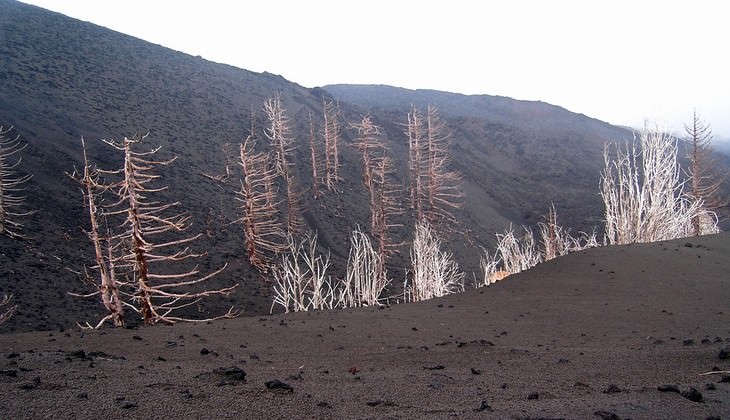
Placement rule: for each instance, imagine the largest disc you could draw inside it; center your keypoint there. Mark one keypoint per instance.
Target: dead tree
(278, 135)
(643, 194)
(435, 190)
(434, 273)
(704, 174)
(384, 196)
(443, 190)
(8, 310)
(387, 206)
(263, 229)
(107, 286)
(11, 198)
(158, 290)
(415, 131)
(316, 162)
(331, 140)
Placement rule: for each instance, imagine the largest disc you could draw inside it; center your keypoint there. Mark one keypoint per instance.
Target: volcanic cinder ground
(639, 331)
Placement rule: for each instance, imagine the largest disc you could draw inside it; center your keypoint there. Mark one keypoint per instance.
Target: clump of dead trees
(135, 242)
(301, 284)
(435, 189)
(646, 199)
(644, 193)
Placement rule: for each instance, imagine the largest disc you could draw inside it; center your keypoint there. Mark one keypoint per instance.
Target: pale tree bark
(704, 173)
(159, 292)
(301, 282)
(264, 231)
(314, 157)
(6, 310)
(366, 278)
(107, 286)
(643, 193)
(387, 205)
(557, 241)
(415, 131)
(376, 173)
(12, 199)
(434, 273)
(444, 185)
(435, 189)
(331, 138)
(278, 134)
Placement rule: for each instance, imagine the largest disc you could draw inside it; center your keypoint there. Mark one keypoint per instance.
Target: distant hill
(523, 154)
(62, 79)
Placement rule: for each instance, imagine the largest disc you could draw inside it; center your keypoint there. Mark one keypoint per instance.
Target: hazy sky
(619, 61)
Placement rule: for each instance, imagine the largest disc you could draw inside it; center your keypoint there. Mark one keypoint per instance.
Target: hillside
(62, 79)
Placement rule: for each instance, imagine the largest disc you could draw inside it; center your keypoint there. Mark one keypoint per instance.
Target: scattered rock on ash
(35, 383)
(606, 415)
(612, 389)
(231, 375)
(668, 388)
(278, 386)
(692, 394)
(434, 367)
(724, 353)
(484, 406)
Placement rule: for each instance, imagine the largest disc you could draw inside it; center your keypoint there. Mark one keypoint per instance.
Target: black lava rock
(278, 386)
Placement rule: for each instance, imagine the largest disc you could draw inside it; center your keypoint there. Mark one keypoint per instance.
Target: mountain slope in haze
(62, 79)
(524, 154)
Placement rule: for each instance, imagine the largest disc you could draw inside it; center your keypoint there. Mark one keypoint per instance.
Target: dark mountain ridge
(62, 79)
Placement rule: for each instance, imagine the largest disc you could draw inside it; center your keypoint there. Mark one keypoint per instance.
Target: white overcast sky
(622, 61)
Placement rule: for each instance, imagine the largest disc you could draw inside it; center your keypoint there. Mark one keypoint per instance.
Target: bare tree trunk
(331, 138)
(157, 296)
(107, 287)
(314, 159)
(383, 195)
(642, 192)
(265, 236)
(278, 135)
(444, 185)
(415, 161)
(366, 278)
(11, 199)
(8, 310)
(705, 176)
(433, 272)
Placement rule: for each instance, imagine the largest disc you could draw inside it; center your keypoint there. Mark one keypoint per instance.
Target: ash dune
(611, 332)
